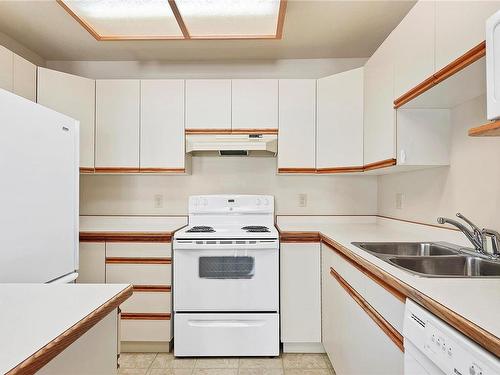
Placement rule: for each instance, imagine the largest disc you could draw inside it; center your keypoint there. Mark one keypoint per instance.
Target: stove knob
(266, 202)
(205, 202)
(257, 202)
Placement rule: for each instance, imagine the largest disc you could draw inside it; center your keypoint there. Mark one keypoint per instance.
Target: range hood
(232, 144)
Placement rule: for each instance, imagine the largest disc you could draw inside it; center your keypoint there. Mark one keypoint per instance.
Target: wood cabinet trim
(351, 169)
(379, 164)
(231, 131)
(44, 355)
(86, 170)
(299, 237)
(153, 288)
(297, 170)
(386, 327)
(491, 129)
(482, 337)
(124, 260)
(165, 237)
(449, 70)
(161, 170)
(116, 170)
(145, 316)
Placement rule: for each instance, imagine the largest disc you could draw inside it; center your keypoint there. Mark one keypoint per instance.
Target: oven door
(223, 280)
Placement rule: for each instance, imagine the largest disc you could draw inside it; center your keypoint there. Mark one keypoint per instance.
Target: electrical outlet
(399, 200)
(158, 200)
(303, 200)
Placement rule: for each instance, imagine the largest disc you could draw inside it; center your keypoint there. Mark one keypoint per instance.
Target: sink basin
(448, 266)
(406, 248)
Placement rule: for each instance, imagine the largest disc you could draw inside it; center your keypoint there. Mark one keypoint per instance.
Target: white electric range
(226, 278)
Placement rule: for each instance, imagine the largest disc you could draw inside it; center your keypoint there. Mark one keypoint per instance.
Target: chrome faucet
(476, 236)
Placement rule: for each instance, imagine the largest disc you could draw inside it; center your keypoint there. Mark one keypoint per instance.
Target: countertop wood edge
(45, 354)
(479, 335)
(119, 236)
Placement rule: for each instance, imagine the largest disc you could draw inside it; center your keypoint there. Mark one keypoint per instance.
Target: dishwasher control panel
(443, 347)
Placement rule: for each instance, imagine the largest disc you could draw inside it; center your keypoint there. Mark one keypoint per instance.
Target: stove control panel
(231, 203)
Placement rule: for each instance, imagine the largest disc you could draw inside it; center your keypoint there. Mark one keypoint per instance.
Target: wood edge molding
(384, 325)
(482, 337)
(449, 70)
(179, 19)
(491, 129)
(281, 19)
(44, 355)
(80, 20)
(126, 237)
(152, 288)
(145, 316)
(85, 170)
(297, 170)
(117, 170)
(414, 92)
(299, 237)
(379, 164)
(462, 62)
(125, 260)
(271, 131)
(350, 169)
(162, 170)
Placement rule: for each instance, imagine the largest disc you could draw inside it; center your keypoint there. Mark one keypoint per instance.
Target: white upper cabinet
(208, 104)
(379, 114)
(6, 68)
(24, 78)
(117, 123)
(162, 124)
(297, 123)
(340, 120)
(254, 103)
(75, 97)
(414, 42)
(460, 26)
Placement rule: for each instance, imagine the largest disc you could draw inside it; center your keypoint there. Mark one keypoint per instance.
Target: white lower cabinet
(353, 341)
(300, 297)
(145, 330)
(150, 301)
(92, 258)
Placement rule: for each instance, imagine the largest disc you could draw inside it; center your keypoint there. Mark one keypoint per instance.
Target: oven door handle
(214, 323)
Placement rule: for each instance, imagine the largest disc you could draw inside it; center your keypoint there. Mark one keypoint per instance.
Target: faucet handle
(495, 240)
(473, 226)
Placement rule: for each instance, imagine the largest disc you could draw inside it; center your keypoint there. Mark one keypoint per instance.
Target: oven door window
(226, 267)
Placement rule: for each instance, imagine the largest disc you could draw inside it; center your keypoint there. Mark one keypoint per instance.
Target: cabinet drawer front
(139, 249)
(145, 330)
(139, 274)
(388, 305)
(148, 302)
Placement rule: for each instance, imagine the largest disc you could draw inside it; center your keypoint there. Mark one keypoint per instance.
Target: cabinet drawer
(138, 273)
(139, 249)
(145, 329)
(387, 304)
(148, 302)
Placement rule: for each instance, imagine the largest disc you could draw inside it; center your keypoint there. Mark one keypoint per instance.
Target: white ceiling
(313, 29)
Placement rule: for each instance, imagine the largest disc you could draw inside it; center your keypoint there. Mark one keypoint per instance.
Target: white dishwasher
(434, 347)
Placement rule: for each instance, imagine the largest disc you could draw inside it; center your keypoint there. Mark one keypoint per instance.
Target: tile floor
(166, 364)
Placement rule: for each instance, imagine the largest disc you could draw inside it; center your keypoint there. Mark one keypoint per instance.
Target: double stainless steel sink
(433, 259)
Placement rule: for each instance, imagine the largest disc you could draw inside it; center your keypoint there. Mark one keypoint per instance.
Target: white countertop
(33, 315)
(131, 223)
(477, 300)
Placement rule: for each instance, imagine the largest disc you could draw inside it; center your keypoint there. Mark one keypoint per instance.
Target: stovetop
(226, 231)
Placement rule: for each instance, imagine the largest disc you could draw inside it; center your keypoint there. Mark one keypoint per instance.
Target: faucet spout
(470, 234)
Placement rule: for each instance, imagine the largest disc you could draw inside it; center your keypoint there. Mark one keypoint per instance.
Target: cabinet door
(414, 47)
(379, 114)
(75, 97)
(340, 120)
(24, 78)
(117, 123)
(460, 26)
(92, 263)
(162, 124)
(300, 293)
(6, 68)
(254, 103)
(208, 104)
(297, 123)
(348, 331)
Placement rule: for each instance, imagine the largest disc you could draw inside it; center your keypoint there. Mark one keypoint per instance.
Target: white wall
(470, 185)
(134, 195)
(289, 68)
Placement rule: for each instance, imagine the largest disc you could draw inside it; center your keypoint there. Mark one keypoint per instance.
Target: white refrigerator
(39, 193)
